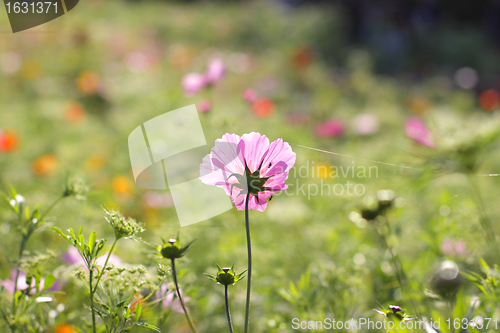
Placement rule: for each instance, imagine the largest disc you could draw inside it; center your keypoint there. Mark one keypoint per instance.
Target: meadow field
(396, 204)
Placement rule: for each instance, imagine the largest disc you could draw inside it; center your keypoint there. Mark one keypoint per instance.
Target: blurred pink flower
(249, 95)
(72, 257)
(170, 300)
(249, 158)
(329, 129)
(365, 124)
(158, 200)
(215, 72)
(10, 62)
(204, 106)
(193, 83)
(296, 118)
(417, 131)
(138, 61)
(22, 285)
(451, 247)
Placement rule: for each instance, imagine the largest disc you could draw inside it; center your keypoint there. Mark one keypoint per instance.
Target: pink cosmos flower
(158, 200)
(417, 131)
(248, 164)
(193, 83)
(451, 247)
(204, 106)
(365, 124)
(331, 128)
(138, 61)
(249, 95)
(170, 301)
(215, 72)
(22, 285)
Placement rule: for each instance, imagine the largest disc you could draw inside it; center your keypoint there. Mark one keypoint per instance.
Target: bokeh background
(350, 77)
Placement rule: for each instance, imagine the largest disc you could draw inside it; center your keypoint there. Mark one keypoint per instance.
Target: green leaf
(119, 306)
(38, 280)
(59, 231)
(485, 267)
(17, 296)
(122, 303)
(127, 313)
(106, 307)
(149, 327)
(460, 305)
(49, 282)
(92, 239)
(138, 309)
(13, 192)
(7, 201)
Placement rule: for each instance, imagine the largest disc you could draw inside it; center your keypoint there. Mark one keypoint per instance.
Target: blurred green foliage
(85, 81)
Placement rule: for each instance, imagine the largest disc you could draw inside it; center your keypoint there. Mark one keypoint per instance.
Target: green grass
(307, 242)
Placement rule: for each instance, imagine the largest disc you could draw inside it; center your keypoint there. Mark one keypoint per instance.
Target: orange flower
(95, 162)
(138, 299)
(44, 164)
(322, 170)
(302, 57)
(180, 56)
(75, 113)
(8, 141)
(65, 328)
(122, 185)
(31, 69)
(263, 108)
(418, 104)
(87, 82)
(489, 100)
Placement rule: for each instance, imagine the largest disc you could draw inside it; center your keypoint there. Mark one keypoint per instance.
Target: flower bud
(172, 249)
(394, 312)
(226, 276)
(124, 227)
(447, 280)
(76, 188)
(385, 200)
(162, 270)
(371, 208)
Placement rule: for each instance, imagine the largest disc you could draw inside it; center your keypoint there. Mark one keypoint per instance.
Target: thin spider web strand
(384, 163)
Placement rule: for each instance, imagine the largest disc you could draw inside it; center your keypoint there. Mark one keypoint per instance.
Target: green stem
(23, 243)
(228, 313)
(398, 266)
(21, 250)
(20, 257)
(188, 317)
(14, 309)
(42, 320)
(249, 275)
(483, 217)
(51, 207)
(395, 262)
(160, 304)
(159, 308)
(91, 272)
(94, 289)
